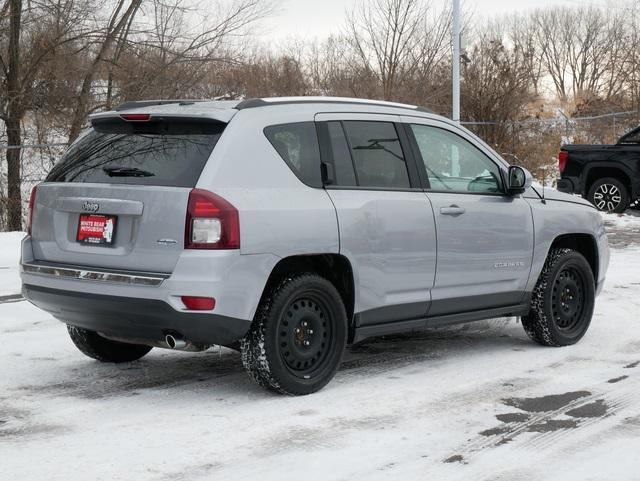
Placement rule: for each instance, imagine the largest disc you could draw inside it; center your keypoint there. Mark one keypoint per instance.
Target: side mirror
(519, 180)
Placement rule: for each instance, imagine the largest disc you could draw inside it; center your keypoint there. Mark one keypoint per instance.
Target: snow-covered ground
(9, 257)
(479, 402)
(624, 228)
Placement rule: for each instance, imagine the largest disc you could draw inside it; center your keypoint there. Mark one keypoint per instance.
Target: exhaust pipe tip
(175, 342)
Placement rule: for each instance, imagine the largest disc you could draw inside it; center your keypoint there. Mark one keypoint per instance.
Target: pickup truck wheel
(562, 301)
(95, 346)
(297, 338)
(609, 195)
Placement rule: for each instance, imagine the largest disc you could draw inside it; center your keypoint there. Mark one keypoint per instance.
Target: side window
(297, 144)
(345, 175)
(377, 155)
(454, 164)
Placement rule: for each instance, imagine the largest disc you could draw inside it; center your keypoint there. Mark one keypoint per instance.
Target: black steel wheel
(562, 301)
(609, 195)
(297, 337)
(568, 299)
(306, 332)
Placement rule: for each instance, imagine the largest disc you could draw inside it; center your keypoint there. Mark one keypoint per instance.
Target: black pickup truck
(608, 176)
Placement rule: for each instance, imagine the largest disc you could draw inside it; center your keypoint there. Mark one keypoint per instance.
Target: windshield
(165, 152)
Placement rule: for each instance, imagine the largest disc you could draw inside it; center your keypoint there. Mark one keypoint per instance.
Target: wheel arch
(336, 268)
(585, 244)
(600, 170)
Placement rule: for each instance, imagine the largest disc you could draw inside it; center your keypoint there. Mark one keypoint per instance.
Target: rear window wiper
(127, 172)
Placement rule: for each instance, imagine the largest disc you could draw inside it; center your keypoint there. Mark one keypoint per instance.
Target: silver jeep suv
(290, 227)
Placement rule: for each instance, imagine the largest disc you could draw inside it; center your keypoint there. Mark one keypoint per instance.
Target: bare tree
(497, 88)
(36, 31)
(580, 49)
(385, 35)
(176, 55)
(521, 32)
(326, 67)
(632, 58)
(120, 18)
(263, 75)
(427, 80)
(335, 70)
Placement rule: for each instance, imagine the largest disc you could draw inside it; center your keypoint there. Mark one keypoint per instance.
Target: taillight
(136, 117)
(212, 222)
(563, 157)
(32, 204)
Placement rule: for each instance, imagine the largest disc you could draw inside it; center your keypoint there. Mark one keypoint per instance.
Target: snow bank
(9, 259)
(630, 218)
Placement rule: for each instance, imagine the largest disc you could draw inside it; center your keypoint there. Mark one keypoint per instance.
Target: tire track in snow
(11, 298)
(547, 430)
(615, 402)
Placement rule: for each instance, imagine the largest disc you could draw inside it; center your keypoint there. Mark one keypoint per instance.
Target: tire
(562, 301)
(95, 346)
(609, 195)
(298, 336)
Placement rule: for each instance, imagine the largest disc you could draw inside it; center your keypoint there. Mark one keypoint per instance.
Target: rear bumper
(134, 318)
(234, 280)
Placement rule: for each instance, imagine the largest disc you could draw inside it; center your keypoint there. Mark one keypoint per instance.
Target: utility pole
(456, 61)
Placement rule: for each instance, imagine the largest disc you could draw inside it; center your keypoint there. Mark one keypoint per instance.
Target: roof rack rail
(263, 102)
(250, 103)
(138, 104)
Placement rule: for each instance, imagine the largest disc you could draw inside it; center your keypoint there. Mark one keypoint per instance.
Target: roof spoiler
(138, 104)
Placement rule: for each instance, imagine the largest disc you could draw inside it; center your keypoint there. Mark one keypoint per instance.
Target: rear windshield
(163, 152)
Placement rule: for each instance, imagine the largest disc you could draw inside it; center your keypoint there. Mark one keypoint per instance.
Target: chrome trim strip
(62, 272)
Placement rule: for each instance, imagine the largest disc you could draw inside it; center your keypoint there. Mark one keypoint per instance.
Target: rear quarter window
(297, 144)
(164, 152)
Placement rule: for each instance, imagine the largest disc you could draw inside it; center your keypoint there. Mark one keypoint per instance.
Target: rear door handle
(452, 210)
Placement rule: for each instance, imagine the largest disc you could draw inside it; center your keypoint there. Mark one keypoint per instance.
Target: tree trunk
(14, 116)
(113, 30)
(14, 195)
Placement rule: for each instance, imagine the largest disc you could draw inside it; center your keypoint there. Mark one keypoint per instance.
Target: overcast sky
(318, 18)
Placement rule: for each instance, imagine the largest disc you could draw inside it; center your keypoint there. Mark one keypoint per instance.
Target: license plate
(96, 229)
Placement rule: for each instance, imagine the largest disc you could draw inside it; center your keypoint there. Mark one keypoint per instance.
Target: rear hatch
(118, 197)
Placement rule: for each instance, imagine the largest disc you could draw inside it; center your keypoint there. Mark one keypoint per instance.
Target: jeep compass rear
(117, 236)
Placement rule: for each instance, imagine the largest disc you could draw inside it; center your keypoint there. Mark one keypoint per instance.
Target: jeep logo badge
(90, 206)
